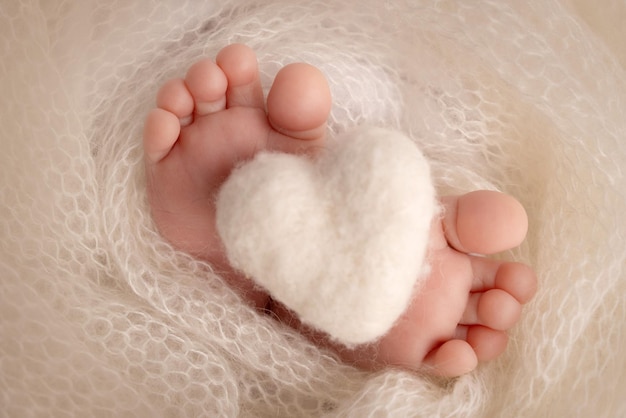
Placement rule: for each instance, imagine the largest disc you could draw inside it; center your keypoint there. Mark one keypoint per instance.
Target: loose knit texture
(100, 317)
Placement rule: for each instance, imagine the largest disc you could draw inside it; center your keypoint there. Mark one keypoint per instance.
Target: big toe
(299, 102)
(484, 222)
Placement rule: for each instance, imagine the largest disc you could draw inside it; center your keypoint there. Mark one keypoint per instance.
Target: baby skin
(217, 116)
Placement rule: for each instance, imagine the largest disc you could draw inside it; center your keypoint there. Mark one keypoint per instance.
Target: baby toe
(495, 308)
(498, 310)
(174, 97)
(517, 279)
(452, 358)
(484, 222)
(487, 343)
(161, 130)
(299, 102)
(207, 84)
(239, 64)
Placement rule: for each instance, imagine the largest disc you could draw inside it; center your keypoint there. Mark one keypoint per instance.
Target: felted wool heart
(339, 239)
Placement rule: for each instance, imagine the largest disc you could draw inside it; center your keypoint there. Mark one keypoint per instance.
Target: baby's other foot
(468, 302)
(206, 124)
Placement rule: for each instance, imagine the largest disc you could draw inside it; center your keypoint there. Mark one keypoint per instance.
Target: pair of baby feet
(217, 116)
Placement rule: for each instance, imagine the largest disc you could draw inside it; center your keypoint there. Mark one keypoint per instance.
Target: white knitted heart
(339, 240)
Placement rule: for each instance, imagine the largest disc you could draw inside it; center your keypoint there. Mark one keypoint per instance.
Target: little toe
(453, 358)
(495, 308)
(299, 102)
(207, 84)
(484, 222)
(239, 64)
(161, 130)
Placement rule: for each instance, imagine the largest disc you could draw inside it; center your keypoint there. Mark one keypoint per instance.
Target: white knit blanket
(100, 317)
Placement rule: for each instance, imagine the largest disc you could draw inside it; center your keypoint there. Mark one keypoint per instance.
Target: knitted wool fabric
(100, 317)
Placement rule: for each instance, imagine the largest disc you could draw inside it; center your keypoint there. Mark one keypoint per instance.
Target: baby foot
(468, 302)
(216, 117)
(207, 123)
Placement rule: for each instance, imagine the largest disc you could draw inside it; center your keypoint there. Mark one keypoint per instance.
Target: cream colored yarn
(100, 317)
